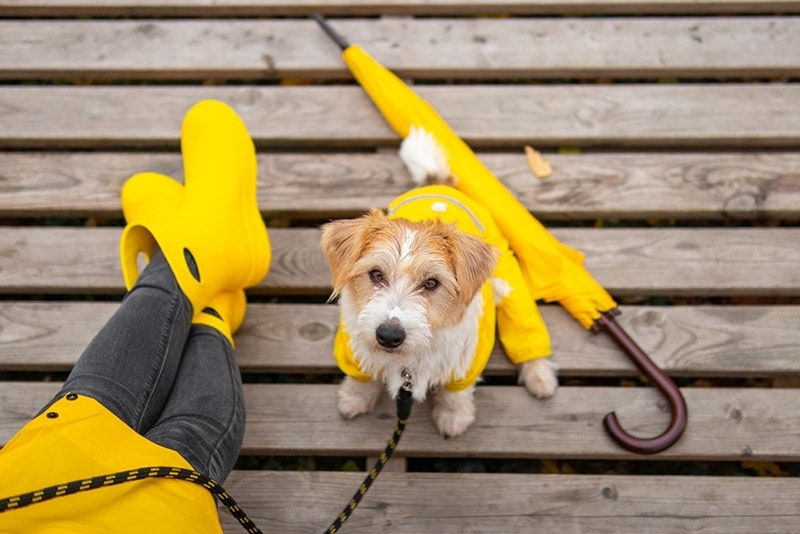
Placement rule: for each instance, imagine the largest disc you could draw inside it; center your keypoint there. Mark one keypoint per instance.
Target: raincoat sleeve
(520, 326)
(344, 355)
(483, 351)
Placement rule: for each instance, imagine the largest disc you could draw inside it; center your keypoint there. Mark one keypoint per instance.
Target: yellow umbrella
(553, 271)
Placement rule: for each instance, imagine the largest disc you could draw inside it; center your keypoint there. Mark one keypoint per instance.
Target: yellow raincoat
(520, 326)
(86, 440)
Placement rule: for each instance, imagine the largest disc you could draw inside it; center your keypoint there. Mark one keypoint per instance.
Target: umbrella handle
(662, 381)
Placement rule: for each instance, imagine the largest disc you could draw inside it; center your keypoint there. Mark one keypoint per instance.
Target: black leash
(404, 404)
(177, 473)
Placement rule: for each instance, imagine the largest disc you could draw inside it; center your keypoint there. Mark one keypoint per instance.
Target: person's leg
(204, 416)
(130, 365)
(213, 220)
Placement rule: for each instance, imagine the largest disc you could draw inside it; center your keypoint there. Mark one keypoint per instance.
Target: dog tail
(424, 158)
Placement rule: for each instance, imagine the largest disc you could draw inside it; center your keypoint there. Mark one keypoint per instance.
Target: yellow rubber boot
(224, 313)
(142, 195)
(212, 218)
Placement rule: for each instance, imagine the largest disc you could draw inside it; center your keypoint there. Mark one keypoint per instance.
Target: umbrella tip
(336, 37)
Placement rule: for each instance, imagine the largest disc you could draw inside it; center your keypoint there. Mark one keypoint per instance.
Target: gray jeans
(175, 383)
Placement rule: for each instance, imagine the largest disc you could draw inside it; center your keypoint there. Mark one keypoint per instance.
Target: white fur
(454, 411)
(500, 289)
(433, 357)
(356, 397)
(424, 157)
(408, 242)
(539, 377)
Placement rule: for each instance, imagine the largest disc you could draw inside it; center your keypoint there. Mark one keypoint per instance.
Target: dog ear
(474, 261)
(343, 243)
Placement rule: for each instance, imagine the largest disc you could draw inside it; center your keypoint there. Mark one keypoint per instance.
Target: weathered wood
(691, 341)
(733, 424)
(711, 151)
(216, 8)
(685, 115)
(626, 261)
(474, 49)
(317, 185)
(295, 502)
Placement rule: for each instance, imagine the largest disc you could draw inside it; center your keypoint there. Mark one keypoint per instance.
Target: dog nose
(390, 335)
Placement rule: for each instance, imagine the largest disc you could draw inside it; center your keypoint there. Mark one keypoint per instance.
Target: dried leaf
(765, 469)
(539, 166)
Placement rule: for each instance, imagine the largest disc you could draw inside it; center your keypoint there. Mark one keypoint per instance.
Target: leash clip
(408, 380)
(404, 399)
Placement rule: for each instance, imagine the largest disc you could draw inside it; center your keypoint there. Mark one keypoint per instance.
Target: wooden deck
(673, 128)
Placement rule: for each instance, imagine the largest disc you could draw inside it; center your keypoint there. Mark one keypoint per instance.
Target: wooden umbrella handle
(643, 362)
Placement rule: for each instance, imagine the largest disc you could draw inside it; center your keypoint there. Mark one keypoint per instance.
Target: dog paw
(453, 413)
(539, 377)
(356, 398)
(451, 424)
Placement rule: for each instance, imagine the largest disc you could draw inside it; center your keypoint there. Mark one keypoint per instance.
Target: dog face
(400, 282)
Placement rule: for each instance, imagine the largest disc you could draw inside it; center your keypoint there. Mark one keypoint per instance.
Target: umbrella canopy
(553, 271)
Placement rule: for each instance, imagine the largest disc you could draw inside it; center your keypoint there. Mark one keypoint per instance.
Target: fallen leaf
(539, 166)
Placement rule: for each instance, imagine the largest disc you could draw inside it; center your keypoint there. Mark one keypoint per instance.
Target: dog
(417, 299)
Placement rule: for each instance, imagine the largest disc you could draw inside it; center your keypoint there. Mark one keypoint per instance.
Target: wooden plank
(689, 341)
(216, 8)
(626, 261)
(686, 115)
(725, 424)
(297, 502)
(680, 185)
(473, 49)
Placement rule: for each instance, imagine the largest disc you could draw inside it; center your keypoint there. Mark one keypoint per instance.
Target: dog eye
(376, 276)
(431, 283)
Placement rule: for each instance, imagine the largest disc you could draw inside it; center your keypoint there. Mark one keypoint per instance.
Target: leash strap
(404, 403)
(60, 490)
